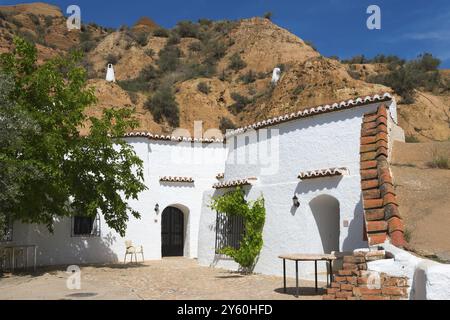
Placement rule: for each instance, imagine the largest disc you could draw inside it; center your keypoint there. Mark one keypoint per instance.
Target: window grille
(7, 233)
(229, 231)
(85, 226)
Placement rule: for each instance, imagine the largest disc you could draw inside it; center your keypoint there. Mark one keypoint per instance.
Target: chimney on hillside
(110, 73)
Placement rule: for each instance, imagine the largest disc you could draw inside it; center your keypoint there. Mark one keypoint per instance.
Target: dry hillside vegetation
(217, 72)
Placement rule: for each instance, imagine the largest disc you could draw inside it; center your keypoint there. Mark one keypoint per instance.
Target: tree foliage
(254, 215)
(48, 169)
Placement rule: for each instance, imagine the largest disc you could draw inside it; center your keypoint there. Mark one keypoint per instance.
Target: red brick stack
(354, 282)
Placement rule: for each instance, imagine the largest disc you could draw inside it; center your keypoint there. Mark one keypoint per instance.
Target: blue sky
(336, 27)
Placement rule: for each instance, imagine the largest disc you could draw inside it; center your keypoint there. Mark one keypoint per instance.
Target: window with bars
(229, 231)
(6, 234)
(86, 226)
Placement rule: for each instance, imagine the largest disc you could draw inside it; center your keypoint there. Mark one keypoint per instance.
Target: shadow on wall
(355, 234)
(54, 250)
(177, 185)
(326, 212)
(314, 185)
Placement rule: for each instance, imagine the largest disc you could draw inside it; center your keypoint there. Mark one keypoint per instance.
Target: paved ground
(170, 278)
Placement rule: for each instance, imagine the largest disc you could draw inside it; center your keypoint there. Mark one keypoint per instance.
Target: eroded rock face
(307, 79)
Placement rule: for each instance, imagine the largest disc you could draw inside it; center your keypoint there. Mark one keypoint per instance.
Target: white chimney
(276, 75)
(110, 74)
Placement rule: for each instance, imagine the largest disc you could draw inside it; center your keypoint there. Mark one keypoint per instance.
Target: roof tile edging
(381, 214)
(337, 106)
(360, 101)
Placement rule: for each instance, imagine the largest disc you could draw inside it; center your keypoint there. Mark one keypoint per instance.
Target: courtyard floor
(168, 279)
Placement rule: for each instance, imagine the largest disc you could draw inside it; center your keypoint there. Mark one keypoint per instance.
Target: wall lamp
(156, 208)
(295, 201)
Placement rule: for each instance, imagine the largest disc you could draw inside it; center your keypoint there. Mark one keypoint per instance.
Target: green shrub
(411, 139)
(439, 160)
(195, 46)
(112, 58)
(173, 39)
(34, 19)
(248, 77)
(214, 50)
(236, 63)
(268, 15)
(16, 22)
(142, 38)
(405, 78)
(233, 203)
(203, 87)
(240, 103)
(148, 73)
(163, 105)
(27, 35)
(48, 20)
(134, 85)
(88, 46)
(311, 44)
(205, 22)
(161, 32)
(187, 29)
(169, 58)
(149, 52)
(226, 124)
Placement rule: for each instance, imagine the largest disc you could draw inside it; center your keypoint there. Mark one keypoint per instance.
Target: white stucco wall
(318, 142)
(200, 161)
(427, 280)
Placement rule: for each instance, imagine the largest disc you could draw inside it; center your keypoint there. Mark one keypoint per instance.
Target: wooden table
(329, 258)
(24, 247)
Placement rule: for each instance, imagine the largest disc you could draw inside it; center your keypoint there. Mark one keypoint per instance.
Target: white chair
(133, 250)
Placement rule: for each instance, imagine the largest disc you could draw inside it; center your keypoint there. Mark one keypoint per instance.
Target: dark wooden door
(172, 232)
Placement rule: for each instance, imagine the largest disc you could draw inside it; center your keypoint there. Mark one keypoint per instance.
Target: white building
(315, 155)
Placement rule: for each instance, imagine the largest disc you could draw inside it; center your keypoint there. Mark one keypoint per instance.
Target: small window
(229, 231)
(85, 226)
(6, 235)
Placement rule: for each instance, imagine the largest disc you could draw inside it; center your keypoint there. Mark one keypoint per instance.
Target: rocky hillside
(215, 71)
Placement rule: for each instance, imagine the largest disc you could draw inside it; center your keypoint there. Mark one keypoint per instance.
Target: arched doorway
(172, 232)
(326, 212)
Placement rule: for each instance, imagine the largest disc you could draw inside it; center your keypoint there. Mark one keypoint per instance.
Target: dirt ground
(424, 197)
(168, 279)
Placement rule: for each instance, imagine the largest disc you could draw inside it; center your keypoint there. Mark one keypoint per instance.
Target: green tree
(50, 169)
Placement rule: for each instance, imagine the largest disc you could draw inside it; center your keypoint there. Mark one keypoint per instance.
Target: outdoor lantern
(295, 201)
(157, 208)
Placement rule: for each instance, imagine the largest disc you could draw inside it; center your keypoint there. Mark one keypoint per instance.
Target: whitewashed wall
(319, 142)
(202, 162)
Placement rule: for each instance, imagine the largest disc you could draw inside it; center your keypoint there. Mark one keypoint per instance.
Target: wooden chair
(131, 250)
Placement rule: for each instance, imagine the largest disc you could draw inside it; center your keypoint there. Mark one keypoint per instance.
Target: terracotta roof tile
(148, 135)
(313, 111)
(370, 164)
(369, 184)
(323, 173)
(234, 183)
(377, 226)
(373, 203)
(382, 217)
(220, 176)
(375, 214)
(176, 179)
